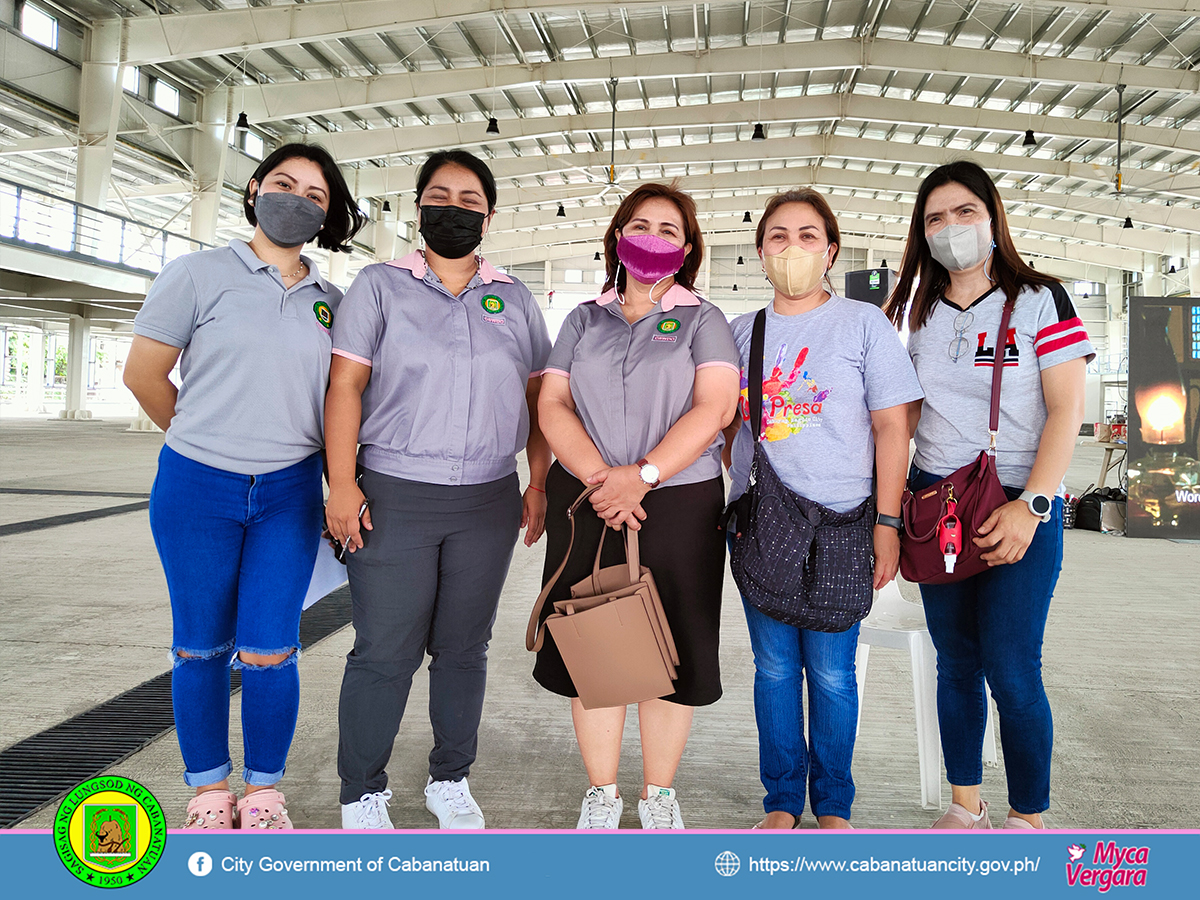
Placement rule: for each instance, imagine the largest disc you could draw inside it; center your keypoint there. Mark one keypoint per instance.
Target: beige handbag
(612, 634)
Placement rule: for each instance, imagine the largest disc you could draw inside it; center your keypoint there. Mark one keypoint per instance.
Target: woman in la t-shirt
(236, 505)
(959, 269)
(835, 409)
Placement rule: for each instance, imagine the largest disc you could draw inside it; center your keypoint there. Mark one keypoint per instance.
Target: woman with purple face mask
(634, 396)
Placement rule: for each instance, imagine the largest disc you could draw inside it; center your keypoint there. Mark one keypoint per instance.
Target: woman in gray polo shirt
(236, 506)
(436, 371)
(641, 381)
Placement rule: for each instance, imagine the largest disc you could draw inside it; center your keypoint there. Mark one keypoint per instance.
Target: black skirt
(682, 547)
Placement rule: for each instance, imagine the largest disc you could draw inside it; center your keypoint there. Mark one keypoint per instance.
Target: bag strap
(997, 374)
(534, 637)
(758, 338)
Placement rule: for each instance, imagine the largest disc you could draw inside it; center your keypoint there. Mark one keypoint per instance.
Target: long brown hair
(686, 275)
(929, 276)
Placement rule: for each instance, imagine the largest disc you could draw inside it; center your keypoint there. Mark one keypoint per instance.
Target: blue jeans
(991, 626)
(238, 553)
(783, 654)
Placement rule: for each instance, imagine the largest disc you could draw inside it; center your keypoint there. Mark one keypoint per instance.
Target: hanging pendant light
(1030, 140)
(596, 258)
(741, 261)
(1128, 222)
(883, 265)
(735, 287)
(759, 133)
(746, 217)
(387, 206)
(243, 124)
(493, 126)
(562, 213)
(1171, 271)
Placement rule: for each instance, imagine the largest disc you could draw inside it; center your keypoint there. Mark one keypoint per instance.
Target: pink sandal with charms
(211, 810)
(264, 809)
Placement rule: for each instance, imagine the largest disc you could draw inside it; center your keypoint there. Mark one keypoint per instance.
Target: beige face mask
(795, 271)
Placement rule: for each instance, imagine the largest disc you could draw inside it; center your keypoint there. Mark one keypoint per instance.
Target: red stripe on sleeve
(1057, 327)
(1075, 337)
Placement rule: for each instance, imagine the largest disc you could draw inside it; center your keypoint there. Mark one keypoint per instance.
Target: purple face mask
(648, 258)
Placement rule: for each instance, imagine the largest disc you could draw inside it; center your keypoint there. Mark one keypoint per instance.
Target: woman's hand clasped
(533, 514)
(619, 500)
(1007, 533)
(341, 516)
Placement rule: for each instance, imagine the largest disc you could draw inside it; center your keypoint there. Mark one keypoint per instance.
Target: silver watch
(1039, 504)
(648, 473)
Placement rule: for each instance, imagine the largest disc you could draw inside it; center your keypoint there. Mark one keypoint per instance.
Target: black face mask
(451, 231)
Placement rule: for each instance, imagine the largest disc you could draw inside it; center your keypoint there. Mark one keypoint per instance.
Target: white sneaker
(452, 803)
(659, 809)
(369, 811)
(601, 807)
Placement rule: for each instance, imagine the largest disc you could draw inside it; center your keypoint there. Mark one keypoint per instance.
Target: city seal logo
(668, 326)
(492, 304)
(324, 314)
(110, 832)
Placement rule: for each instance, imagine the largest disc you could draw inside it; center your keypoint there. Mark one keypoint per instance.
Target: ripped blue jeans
(238, 553)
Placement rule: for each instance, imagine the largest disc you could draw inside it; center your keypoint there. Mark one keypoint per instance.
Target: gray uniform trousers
(428, 579)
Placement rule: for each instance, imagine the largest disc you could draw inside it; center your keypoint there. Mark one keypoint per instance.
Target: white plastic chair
(896, 623)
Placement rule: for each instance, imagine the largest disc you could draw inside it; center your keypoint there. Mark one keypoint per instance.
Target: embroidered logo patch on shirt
(492, 304)
(324, 314)
(668, 326)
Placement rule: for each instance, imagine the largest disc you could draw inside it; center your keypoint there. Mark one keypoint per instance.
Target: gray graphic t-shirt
(824, 372)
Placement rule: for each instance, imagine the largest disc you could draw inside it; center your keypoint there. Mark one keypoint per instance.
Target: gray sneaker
(659, 810)
(601, 808)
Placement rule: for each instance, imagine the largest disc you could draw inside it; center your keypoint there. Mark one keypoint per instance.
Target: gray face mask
(960, 247)
(288, 220)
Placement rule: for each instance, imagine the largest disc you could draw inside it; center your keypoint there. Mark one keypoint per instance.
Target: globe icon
(728, 863)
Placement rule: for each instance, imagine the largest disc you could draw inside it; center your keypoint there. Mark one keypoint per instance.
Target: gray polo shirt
(631, 383)
(255, 361)
(446, 400)
(1044, 331)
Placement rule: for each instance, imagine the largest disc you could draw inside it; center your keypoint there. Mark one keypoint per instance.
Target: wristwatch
(890, 521)
(1039, 504)
(648, 473)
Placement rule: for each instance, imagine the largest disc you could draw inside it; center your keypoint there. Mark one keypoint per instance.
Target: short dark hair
(923, 279)
(686, 276)
(344, 218)
(468, 161)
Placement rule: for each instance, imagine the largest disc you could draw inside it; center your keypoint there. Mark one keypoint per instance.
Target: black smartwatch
(890, 521)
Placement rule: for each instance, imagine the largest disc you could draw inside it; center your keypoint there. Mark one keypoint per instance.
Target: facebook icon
(200, 864)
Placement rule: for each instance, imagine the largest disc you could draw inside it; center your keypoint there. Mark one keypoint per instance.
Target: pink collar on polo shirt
(677, 295)
(415, 263)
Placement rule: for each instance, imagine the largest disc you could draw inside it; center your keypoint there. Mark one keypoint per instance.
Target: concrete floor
(83, 616)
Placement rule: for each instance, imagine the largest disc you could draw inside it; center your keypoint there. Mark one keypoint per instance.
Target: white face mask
(795, 271)
(961, 247)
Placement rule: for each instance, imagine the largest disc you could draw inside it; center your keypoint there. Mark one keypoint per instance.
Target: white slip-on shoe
(601, 808)
(660, 809)
(368, 812)
(452, 803)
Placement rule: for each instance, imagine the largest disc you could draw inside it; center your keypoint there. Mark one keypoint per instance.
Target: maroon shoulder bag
(975, 489)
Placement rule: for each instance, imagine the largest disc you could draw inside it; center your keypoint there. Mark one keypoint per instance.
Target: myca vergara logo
(1110, 866)
(323, 313)
(110, 832)
(492, 304)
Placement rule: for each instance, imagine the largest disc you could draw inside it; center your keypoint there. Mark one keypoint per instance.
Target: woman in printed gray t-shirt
(236, 506)
(991, 624)
(835, 408)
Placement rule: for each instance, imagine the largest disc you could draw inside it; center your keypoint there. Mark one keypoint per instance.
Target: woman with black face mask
(433, 391)
(236, 506)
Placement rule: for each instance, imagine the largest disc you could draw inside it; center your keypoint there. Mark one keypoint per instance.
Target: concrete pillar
(1193, 265)
(1152, 279)
(337, 269)
(549, 286)
(385, 237)
(706, 281)
(870, 256)
(142, 423)
(210, 148)
(37, 374)
(78, 346)
(99, 109)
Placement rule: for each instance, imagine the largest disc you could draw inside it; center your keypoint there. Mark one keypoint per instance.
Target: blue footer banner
(115, 846)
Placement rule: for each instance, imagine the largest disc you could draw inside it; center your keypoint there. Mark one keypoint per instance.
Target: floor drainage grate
(44, 767)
